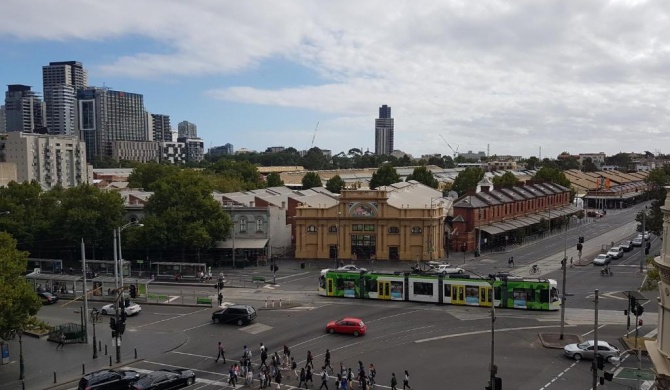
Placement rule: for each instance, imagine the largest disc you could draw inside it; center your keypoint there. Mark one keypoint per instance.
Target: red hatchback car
(348, 325)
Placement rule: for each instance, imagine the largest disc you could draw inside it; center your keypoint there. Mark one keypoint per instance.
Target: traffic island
(553, 340)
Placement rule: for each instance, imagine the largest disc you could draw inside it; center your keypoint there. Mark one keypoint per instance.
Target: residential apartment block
(384, 129)
(186, 129)
(24, 109)
(61, 81)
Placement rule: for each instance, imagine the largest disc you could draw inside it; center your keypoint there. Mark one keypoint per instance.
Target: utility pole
(494, 369)
(564, 265)
(594, 364)
(644, 238)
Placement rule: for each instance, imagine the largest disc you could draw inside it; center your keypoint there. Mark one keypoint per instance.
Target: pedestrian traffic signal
(112, 323)
(581, 239)
(123, 316)
(646, 251)
(115, 334)
(133, 291)
(600, 362)
(638, 310)
(122, 328)
(579, 246)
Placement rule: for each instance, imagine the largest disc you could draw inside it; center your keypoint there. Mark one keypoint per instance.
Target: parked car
(647, 235)
(347, 325)
(435, 264)
(585, 350)
(594, 214)
(637, 241)
(448, 269)
(615, 252)
(47, 298)
(108, 380)
(351, 267)
(235, 314)
(164, 379)
(602, 259)
(131, 309)
(627, 245)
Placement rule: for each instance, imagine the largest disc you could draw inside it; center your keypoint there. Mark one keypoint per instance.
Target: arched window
(259, 224)
(394, 230)
(311, 228)
(416, 230)
(243, 224)
(332, 229)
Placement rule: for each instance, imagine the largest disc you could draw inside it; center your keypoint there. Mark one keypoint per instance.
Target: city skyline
(513, 78)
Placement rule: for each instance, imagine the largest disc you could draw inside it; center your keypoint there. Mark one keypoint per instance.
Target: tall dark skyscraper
(384, 131)
(61, 81)
(24, 110)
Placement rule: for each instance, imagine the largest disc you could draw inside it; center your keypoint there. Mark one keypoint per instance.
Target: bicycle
(534, 270)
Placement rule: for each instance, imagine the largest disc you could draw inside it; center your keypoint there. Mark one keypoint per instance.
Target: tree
(424, 176)
(656, 181)
(182, 215)
(244, 171)
(315, 160)
(467, 180)
(145, 175)
(335, 184)
(384, 176)
(553, 175)
(532, 162)
(274, 180)
(507, 179)
(589, 166)
(18, 301)
(311, 180)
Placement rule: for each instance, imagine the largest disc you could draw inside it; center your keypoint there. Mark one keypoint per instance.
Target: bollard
(105, 349)
(135, 353)
(266, 303)
(55, 377)
(99, 345)
(279, 302)
(110, 360)
(83, 369)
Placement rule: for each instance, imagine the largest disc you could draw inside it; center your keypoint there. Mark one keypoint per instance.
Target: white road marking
(172, 318)
(449, 336)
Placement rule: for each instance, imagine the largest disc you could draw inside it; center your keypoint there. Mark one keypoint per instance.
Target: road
(441, 346)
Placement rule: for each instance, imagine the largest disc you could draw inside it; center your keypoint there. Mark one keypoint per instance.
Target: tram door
(485, 296)
(384, 289)
(457, 295)
(329, 289)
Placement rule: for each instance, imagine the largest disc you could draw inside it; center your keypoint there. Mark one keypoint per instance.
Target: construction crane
(314, 136)
(452, 149)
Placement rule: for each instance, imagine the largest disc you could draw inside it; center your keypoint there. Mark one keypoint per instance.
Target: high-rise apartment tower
(384, 131)
(61, 81)
(24, 110)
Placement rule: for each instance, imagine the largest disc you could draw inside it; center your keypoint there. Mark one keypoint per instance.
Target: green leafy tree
(311, 180)
(568, 162)
(314, 159)
(424, 176)
(589, 166)
(183, 216)
(274, 180)
(532, 162)
(244, 171)
(384, 176)
(145, 175)
(507, 179)
(620, 160)
(656, 181)
(18, 301)
(553, 175)
(335, 184)
(467, 180)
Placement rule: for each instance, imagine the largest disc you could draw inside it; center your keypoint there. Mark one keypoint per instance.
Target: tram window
(322, 282)
(482, 293)
(447, 290)
(554, 295)
(370, 285)
(544, 296)
(496, 291)
(339, 283)
(530, 295)
(421, 288)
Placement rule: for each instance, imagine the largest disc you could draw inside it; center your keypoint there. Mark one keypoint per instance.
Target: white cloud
(580, 75)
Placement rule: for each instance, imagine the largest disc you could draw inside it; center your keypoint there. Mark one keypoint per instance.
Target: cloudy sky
(515, 76)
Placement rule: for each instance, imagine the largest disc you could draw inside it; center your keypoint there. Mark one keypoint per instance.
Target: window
(394, 230)
(311, 228)
(416, 230)
(357, 228)
(259, 224)
(332, 229)
(369, 228)
(447, 290)
(421, 288)
(243, 224)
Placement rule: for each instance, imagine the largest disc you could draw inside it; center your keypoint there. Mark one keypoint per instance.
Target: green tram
(457, 289)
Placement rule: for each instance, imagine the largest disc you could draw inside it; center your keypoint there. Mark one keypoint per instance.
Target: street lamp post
(493, 370)
(233, 244)
(337, 248)
(120, 260)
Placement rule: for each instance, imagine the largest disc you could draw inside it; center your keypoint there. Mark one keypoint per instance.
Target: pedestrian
(264, 357)
(294, 367)
(338, 381)
(394, 381)
(326, 362)
(61, 341)
(278, 379)
(302, 378)
(310, 359)
(287, 356)
(571, 263)
(246, 357)
(405, 381)
(249, 378)
(344, 383)
(261, 377)
(220, 299)
(324, 378)
(232, 376)
(309, 376)
(222, 354)
(350, 379)
(372, 372)
(343, 371)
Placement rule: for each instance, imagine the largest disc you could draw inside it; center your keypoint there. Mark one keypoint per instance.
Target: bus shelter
(55, 283)
(52, 266)
(106, 286)
(174, 270)
(106, 267)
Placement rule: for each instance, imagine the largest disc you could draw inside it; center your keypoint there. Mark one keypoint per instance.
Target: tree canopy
(311, 180)
(552, 174)
(335, 184)
(424, 176)
(384, 176)
(467, 180)
(274, 180)
(507, 179)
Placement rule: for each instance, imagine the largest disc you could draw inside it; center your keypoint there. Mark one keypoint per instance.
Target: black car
(235, 314)
(164, 379)
(627, 245)
(108, 380)
(47, 298)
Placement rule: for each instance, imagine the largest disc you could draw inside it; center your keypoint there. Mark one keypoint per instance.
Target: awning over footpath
(242, 243)
(520, 222)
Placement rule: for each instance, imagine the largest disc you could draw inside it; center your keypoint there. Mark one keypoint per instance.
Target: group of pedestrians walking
(269, 371)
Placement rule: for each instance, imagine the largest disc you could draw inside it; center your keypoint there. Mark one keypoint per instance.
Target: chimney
(251, 203)
(283, 205)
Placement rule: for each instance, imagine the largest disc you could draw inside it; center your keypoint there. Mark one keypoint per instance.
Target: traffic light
(112, 323)
(639, 310)
(133, 291)
(115, 334)
(122, 328)
(632, 302)
(608, 375)
(581, 239)
(646, 251)
(600, 362)
(123, 315)
(579, 246)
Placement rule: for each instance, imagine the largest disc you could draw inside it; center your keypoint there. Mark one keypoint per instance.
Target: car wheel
(103, 312)
(356, 333)
(331, 330)
(460, 271)
(577, 357)
(240, 322)
(189, 381)
(216, 320)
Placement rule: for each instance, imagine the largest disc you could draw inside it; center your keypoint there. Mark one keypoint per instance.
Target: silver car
(602, 259)
(585, 350)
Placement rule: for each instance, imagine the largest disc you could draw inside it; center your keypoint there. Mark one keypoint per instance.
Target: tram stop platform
(553, 340)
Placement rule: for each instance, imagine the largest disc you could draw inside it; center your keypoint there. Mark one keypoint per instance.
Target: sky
(518, 77)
